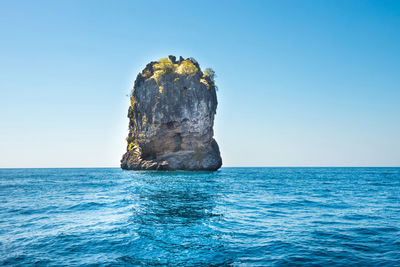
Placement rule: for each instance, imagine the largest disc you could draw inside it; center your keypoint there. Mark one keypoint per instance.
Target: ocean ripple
(236, 216)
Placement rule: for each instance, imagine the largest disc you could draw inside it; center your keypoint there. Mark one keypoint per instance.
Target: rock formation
(171, 118)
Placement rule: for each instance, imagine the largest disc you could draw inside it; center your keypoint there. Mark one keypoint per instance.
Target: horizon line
(220, 168)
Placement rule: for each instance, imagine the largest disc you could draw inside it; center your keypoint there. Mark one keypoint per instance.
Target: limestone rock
(171, 118)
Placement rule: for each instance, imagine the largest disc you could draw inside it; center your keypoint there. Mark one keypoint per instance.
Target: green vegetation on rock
(187, 68)
(162, 67)
(166, 66)
(210, 74)
(129, 139)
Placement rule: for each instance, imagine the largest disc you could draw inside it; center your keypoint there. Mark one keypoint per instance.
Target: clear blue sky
(301, 83)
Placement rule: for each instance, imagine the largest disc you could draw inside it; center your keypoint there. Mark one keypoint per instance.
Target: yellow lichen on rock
(187, 68)
(144, 120)
(161, 89)
(204, 81)
(157, 75)
(131, 146)
(162, 67)
(165, 64)
(146, 73)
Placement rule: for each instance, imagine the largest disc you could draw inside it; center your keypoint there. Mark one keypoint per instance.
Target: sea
(231, 217)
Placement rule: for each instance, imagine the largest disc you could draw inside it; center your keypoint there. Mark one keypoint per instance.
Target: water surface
(236, 216)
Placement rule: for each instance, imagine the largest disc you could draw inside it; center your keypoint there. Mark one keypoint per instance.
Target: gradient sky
(301, 83)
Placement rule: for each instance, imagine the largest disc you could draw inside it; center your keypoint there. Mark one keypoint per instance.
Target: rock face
(171, 118)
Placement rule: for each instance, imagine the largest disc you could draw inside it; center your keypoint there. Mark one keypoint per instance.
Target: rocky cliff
(171, 118)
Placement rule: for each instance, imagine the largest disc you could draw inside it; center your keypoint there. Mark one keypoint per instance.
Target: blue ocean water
(236, 216)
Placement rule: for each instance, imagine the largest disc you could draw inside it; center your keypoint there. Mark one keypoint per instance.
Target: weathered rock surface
(171, 118)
